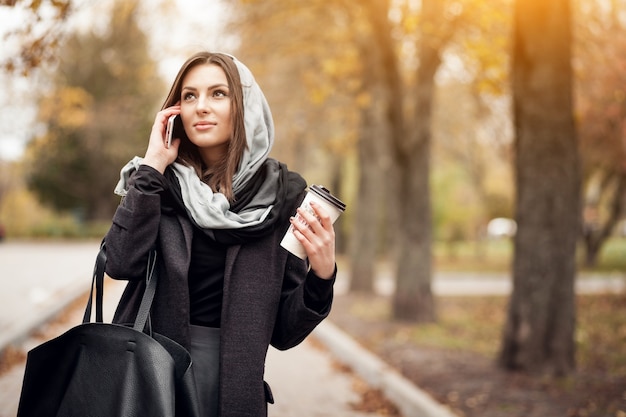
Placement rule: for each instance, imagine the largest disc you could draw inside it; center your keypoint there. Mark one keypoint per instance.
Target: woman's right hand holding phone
(158, 155)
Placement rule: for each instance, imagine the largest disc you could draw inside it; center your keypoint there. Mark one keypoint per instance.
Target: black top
(206, 280)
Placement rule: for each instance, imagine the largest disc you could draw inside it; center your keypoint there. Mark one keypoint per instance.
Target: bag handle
(143, 314)
(97, 280)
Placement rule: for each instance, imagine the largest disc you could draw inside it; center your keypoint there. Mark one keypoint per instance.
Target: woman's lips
(204, 125)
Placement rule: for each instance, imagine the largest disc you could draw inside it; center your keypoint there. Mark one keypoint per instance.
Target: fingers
(162, 118)
(158, 155)
(316, 234)
(312, 224)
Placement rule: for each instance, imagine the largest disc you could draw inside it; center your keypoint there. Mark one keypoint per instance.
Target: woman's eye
(220, 93)
(188, 96)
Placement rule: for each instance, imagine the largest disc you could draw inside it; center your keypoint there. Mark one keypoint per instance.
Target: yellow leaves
(410, 23)
(363, 100)
(491, 86)
(69, 107)
(322, 81)
(343, 144)
(319, 95)
(340, 72)
(492, 69)
(125, 10)
(331, 67)
(35, 5)
(39, 33)
(343, 65)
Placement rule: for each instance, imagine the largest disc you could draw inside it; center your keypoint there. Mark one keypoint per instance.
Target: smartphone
(169, 131)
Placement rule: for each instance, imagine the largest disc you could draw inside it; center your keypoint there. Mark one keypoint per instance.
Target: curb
(410, 400)
(21, 331)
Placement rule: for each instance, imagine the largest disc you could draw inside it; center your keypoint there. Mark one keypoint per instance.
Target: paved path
(38, 279)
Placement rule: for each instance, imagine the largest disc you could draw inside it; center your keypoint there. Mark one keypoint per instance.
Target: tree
(539, 332)
(36, 46)
(413, 299)
(379, 116)
(433, 28)
(98, 116)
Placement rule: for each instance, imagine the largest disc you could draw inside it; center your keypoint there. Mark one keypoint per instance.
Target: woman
(216, 207)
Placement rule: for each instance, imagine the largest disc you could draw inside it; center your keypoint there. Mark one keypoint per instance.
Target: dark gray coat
(263, 299)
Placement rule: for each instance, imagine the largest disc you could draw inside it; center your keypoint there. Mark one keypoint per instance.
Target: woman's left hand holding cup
(317, 235)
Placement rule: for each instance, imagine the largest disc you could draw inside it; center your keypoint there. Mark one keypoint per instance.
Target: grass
(601, 333)
(487, 255)
(474, 323)
(466, 323)
(497, 255)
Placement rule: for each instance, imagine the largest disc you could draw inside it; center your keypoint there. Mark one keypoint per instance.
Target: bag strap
(148, 296)
(97, 280)
(143, 314)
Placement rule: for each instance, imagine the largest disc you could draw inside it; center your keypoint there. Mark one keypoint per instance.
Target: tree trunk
(539, 332)
(337, 188)
(371, 187)
(413, 299)
(380, 121)
(365, 235)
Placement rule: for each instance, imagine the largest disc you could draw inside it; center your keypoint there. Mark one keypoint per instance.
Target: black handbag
(101, 369)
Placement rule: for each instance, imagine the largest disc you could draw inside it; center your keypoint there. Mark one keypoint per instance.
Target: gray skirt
(205, 354)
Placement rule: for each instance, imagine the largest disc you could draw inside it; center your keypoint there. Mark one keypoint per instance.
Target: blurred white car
(501, 227)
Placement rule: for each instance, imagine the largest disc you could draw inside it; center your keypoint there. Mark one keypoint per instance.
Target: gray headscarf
(209, 209)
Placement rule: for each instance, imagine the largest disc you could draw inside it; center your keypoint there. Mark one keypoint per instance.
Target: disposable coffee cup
(324, 198)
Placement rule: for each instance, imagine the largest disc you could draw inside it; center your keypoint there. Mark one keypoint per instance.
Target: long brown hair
(219, 176)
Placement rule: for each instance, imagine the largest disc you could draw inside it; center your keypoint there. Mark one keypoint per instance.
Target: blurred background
(402, 108)
(81, 81)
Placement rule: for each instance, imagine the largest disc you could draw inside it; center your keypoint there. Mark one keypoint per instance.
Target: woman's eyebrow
(211, 87)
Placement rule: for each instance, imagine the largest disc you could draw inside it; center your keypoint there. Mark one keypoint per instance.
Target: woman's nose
(203, 104)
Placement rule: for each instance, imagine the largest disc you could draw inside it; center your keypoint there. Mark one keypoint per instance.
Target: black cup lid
(326, 195)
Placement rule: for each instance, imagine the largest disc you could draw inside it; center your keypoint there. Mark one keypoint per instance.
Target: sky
(185, 27)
